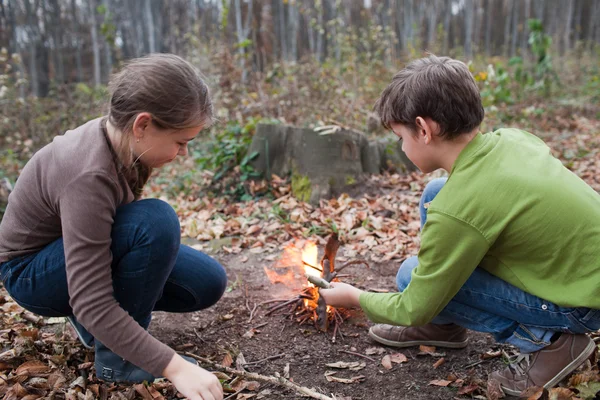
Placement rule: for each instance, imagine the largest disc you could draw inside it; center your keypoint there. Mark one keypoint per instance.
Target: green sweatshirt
(514, 210)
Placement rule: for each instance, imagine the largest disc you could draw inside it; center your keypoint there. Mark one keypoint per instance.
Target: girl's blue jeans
(151, 270)
(486, 303)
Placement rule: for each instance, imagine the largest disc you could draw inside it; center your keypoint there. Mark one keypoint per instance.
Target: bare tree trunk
(107, 42)
(488, 10)
(431, 20)
(16, 48)
(77, 39)
(95, 43)
(525, 39)
(515, 29)
(282, 31)
(507, 15)
(150, 25)
(57, 51)
(320, 30)
(568, 26)
(293, 17)
(447, 15)
(468, 28)
(594, 15)
(33, 33)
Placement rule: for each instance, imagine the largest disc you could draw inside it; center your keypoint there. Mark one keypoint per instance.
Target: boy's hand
(341, 295)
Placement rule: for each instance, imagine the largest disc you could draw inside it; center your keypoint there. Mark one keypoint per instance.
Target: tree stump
(321, 165)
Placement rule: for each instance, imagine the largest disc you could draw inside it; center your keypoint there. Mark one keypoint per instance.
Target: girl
(77, 241)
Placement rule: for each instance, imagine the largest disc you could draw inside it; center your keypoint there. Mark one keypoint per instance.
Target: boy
(510, 242)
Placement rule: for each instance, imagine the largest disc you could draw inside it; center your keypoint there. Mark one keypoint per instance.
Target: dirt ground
(224, 328)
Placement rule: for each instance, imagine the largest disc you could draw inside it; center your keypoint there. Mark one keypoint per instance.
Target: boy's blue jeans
(152, 271)
(486, 303)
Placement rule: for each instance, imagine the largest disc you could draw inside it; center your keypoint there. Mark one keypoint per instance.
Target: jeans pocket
(587, 319)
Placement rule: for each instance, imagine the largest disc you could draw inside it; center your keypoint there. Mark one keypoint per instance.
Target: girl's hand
(341, 295)
(193, 382)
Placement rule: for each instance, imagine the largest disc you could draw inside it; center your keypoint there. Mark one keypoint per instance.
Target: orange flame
(291, 268)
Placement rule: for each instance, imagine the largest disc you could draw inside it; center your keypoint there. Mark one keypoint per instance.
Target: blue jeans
(151, 270)
(486, 303)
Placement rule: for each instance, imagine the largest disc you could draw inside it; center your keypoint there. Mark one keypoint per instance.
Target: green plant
(226, 154)
(544, 76)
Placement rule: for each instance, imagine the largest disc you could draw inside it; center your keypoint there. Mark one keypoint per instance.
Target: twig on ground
(198, 335)
(358, 354)
(263, 378)
(252, 313)
(264, 359)
(260, 325)
(279, 306)
(354, 262)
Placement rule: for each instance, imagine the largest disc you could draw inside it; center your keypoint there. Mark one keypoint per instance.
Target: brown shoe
(545, 367)
(452, 336)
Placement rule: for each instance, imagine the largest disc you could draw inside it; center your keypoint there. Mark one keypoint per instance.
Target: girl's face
(155, 147)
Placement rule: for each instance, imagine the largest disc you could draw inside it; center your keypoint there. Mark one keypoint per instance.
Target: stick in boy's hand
(341, 295)
(318, 281)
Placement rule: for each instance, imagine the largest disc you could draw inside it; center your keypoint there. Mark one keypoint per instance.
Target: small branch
(353, 263)
(280, 306)
(269, 379)
(252, 313)
(358, 354)
(265, 359)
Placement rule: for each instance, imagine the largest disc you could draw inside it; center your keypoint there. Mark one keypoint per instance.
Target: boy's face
(417, 146)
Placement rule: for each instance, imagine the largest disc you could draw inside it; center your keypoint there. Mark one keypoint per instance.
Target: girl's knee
(404, 273)
(159, 221)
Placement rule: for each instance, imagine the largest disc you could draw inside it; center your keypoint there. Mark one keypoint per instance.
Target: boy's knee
(405, 272)
(433, 188)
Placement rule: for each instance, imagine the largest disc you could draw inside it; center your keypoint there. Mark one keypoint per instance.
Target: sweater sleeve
(450, 251)
(87, 209)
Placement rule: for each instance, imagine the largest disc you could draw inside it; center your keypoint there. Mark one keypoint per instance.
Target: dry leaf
(534, 393)
(386, 361)
(353, 366)
(286, 371)
(465, 390)
(227, 360)
(143, 391)
(398, 358)
(439, 362)
(374, 350)
(491, 354)
(240, 362)
(32, 368)
(560, 393)
(440, 382)
(494, 390)
(56, 380)
(427, 349)
(250, 333)
(330, 378)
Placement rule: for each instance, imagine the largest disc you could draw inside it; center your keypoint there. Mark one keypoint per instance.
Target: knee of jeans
(161, 221)
(432, 189)
(405, 272)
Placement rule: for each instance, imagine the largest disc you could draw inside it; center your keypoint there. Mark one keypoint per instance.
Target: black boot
(84, 336)
(112, 368)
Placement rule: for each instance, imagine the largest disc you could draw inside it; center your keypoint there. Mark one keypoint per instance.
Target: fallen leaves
(396, 358)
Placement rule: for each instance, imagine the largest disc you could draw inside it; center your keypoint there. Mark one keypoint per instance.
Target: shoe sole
(411, 343)
(572, 366)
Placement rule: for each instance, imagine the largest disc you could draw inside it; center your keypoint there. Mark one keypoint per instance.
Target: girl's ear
(141, 123)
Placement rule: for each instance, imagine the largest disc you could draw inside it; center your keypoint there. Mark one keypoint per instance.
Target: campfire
(299, 271)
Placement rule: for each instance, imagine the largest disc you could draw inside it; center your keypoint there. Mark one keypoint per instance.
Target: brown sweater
(71, 188)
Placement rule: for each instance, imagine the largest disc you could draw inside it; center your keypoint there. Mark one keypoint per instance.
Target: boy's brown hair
(440, 88)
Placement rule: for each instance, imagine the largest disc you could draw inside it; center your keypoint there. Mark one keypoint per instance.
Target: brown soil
(220, 329)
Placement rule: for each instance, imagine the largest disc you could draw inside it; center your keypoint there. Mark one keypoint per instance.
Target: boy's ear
(424, 129)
